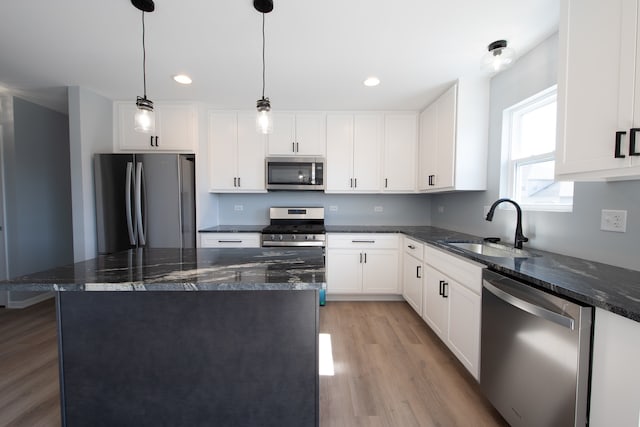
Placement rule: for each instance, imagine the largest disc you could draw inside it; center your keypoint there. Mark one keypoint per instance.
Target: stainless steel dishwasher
(535, 351)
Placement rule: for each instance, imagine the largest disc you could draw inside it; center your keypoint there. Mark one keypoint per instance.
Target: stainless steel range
(295, 227)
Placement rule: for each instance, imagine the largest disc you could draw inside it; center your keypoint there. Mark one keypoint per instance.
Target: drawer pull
(618, 154)
(632, 142)
(229, 241)
(363, 241)
(411, 247)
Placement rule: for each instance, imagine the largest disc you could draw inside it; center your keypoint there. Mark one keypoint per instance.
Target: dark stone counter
(184, 270)
(601, 285)
(233, 229)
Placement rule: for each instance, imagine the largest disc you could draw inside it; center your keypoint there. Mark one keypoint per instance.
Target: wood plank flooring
(29, 390)
(391, 370)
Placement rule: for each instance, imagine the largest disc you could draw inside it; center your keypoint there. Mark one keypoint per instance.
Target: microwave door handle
(127, 201)
(313, 172)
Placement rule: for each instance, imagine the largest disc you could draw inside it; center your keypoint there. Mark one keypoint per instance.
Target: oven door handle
(530, 308)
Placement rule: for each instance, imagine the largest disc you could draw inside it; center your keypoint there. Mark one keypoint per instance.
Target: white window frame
(510, 166)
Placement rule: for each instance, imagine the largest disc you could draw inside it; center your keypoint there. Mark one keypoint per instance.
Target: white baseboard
(29, 301)
(364, 297)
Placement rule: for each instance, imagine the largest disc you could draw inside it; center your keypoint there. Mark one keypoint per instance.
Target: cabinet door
(400, 135)
(344, 271)
(339, 167)
(282, 140)
(413, 272)
(428, 147)
(615, 374)
(175, 127)
(367, 143)
(464, 326)
(251, 153)
(223, 136)
(446, 140)
(435, 308)
(310, 134)
(595, 85)
(380, 271)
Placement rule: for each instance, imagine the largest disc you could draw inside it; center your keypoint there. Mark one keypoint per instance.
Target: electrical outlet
(378, 209)
(611, 220)
(333, 208)
(440, 209)
(238, 207)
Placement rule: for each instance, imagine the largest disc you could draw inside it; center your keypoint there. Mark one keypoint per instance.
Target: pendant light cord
(144, 60)
(263, 63)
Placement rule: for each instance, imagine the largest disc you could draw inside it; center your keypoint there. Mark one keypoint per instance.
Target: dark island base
(226, 358)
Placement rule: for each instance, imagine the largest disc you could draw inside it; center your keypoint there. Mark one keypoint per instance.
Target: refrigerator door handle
(139, 203)
(127, 195)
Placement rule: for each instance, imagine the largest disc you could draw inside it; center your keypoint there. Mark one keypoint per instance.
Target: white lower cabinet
(452, 304)
(362, 263)
(229, 240)
(615, 400)
(413, 273)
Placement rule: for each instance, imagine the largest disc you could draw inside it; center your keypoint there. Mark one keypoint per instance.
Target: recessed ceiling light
(182, 79)
(372, 81)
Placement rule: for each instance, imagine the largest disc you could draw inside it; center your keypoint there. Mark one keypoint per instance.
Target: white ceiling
(317, 52)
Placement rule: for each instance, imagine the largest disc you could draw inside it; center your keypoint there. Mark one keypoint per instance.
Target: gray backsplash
(397, 209)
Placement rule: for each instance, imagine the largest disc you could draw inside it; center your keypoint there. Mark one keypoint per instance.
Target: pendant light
(498, 57)
(264, 121)
(144, 119)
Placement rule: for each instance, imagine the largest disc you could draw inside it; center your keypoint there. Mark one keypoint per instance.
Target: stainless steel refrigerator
(145, 200)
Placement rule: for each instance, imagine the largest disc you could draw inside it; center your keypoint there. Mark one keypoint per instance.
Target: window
(528, 155)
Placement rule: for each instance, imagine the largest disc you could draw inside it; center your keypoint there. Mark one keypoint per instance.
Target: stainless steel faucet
(519, 238)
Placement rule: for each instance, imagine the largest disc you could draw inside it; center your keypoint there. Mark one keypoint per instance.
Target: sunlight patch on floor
(326, 355)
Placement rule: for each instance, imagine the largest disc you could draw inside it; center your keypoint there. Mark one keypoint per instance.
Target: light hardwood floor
(29, 391)
(391, 370)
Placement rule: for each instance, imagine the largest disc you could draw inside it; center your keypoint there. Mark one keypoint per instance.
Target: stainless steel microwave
(295, 173)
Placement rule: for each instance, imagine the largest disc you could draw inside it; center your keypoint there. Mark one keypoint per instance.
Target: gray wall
(576, 233)
(37, 191)
(353, 209)
(90, 131)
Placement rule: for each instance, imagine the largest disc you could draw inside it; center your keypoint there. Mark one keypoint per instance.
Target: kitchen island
(197, 337)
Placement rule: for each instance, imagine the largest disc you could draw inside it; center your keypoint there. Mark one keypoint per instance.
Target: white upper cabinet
(400, 139)
(236, 153)
(176, 128)
(454, 139)
(298, 134)
(598, 92)
(353, 153)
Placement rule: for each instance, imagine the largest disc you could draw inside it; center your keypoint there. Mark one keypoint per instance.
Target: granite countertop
(233, 229)
(601, 285)
(184, 269)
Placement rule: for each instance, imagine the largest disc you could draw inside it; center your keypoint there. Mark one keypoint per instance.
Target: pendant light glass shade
(498, 57)
(264, 121)
(145, 119)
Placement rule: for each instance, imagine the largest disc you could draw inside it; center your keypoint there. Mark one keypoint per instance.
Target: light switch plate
(612, 220)
(378, 209)
(238, 207)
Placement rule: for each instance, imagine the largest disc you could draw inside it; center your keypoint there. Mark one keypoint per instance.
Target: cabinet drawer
(230, 240)
(362, 241)
(413, 248)
(467, 273)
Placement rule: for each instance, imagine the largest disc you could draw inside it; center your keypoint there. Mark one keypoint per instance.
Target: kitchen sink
(493, 250)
